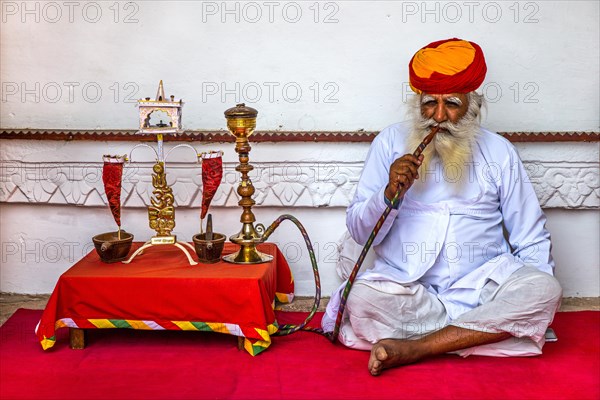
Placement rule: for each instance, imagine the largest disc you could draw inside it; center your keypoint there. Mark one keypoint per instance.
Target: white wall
(575, 248)
(332, 65)
(338, 65)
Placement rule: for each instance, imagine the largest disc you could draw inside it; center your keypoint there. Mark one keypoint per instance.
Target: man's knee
(532, 289)
(547, 288)
(360, 299)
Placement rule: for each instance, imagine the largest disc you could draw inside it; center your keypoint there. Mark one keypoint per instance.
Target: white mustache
(447, 126)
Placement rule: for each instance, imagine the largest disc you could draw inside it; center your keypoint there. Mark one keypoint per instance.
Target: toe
(376, 359)
(375, 368)
(380, 353)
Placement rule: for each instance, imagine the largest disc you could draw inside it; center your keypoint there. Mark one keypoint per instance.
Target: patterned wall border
(568, 185)
(264, 136)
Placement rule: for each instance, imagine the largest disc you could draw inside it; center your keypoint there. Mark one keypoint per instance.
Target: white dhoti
(524, 305)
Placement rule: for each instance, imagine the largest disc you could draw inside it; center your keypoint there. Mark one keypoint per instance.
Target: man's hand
(403, 172)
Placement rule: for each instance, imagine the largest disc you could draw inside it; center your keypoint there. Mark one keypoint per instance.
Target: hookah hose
(288, 329)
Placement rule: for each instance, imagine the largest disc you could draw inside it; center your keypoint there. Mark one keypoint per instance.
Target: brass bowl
(110, 248)
(209, 251)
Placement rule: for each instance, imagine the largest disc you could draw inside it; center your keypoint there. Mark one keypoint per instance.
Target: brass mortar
(112, 249)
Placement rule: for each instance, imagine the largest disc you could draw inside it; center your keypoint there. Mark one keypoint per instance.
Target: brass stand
(159, 241)
(241, 121)
(161, 213)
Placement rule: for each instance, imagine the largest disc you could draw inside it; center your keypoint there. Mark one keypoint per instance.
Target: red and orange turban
(447, 66)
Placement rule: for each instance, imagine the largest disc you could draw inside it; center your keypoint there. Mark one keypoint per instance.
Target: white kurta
(446, 236)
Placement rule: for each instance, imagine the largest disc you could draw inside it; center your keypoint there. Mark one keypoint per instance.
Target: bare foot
(388, 353)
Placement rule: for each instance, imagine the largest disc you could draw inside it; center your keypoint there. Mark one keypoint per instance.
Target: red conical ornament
(112, 174)
(212, 173)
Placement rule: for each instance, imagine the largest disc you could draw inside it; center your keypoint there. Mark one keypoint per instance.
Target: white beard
(452, 146)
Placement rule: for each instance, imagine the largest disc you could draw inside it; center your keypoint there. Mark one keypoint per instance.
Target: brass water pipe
(241, 121)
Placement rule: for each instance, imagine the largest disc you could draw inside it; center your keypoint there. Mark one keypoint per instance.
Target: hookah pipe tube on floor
(288, 329)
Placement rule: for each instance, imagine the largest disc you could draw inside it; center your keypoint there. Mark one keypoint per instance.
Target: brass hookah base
(247, 239)
(249, 236)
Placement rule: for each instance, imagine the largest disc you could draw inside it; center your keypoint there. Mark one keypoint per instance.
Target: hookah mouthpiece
(426, 141)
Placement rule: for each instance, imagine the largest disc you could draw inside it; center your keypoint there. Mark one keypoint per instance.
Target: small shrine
(161, 105)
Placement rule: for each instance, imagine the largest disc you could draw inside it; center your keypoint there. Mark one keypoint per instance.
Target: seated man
(463, 262)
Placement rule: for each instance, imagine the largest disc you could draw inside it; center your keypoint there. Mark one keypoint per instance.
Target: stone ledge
(262, 136)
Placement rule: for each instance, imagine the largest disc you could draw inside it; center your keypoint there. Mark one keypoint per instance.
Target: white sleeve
(369, 200)
(524, 219)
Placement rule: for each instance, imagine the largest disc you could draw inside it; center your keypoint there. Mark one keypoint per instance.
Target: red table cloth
(160, 290)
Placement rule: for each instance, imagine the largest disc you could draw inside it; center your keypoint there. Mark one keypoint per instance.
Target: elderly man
(463, 262)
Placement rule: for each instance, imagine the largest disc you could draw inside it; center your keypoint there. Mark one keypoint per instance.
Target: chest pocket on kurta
(419, 231)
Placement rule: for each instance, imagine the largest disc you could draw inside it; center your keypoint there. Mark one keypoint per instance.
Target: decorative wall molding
(571, 185)
(278, 184)
(263, 136)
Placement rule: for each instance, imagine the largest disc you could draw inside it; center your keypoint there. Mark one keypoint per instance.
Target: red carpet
(127, 364)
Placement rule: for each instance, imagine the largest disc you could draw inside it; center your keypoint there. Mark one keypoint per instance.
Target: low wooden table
(159, 290)
(77, 339)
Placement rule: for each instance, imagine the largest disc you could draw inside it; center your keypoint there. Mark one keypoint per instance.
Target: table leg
(77, 338)
(240, 340)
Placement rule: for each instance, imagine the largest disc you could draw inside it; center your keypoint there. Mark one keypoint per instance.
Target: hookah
(241, 122)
